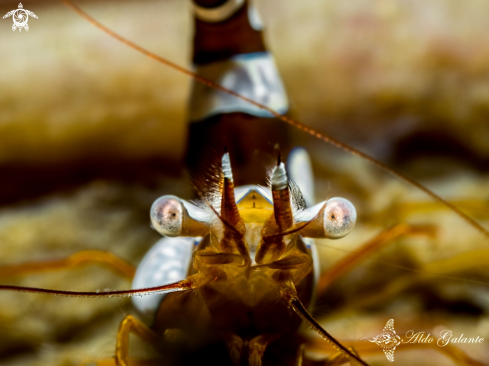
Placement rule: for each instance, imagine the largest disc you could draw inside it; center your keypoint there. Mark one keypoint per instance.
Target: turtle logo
(20, 16)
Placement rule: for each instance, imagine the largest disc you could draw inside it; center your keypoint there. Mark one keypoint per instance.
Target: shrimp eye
(333, 221)
(339, 217)
(167, 215)
(172, 216)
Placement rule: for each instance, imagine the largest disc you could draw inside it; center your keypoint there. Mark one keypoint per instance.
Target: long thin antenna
(285, 119)
(296, 304)
(173, 287)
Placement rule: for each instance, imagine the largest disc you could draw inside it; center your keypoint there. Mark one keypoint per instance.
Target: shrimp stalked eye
(339, 217)
(172, 216)
(332, 219)
(166, 215)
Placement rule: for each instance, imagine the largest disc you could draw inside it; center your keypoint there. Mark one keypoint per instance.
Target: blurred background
(91, 132)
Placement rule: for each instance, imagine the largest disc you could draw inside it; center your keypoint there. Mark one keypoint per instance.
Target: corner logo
(20, 17)
(388, 340)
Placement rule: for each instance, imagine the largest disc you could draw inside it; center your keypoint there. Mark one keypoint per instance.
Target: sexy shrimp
(431, 300)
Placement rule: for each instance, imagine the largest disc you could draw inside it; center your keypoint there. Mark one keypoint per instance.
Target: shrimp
(381, 203)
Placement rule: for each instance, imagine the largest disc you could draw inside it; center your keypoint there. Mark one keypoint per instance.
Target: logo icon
(388, 340)
(20, 16)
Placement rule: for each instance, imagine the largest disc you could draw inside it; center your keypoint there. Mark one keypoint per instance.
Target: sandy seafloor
(405, 81)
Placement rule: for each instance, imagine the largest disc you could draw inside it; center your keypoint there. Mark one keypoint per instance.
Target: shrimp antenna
(288, 120)
(165, 289)
(289, 293)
